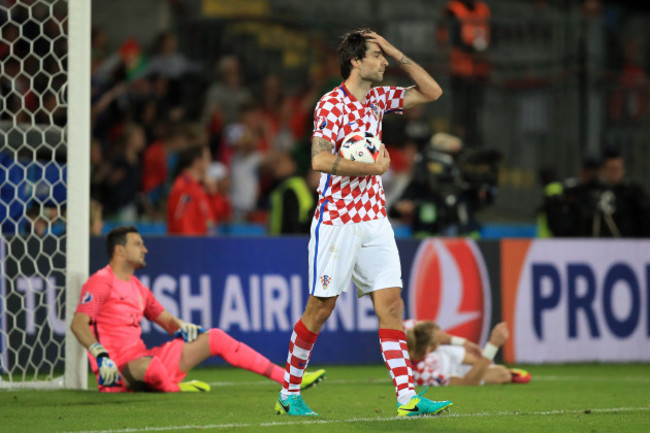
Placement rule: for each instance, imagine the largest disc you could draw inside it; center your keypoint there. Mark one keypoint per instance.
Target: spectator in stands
(169, 62)
(628, 102)
(624, 206)
(18, 98)
(275, 114)
(133, 62)
(243, 143)
(469, 35)
(99, 47)
(100, 170)
(37, 220)
(96, 219)
(175, 70)
(245, 175)
(440, 359)
(225, 98)
(188, 206)
(568, 206)
(125, 176)
(51, 111)
(159, 164)
(293, 199)
(301, 104)
(107, 322)
(217, 188)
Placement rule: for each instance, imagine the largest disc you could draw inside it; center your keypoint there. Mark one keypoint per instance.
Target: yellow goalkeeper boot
(194, 386)
(310, 379)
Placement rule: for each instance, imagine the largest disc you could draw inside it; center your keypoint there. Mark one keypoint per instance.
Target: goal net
(43, 189)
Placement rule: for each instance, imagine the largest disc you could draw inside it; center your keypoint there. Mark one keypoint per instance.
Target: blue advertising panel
(256, 289)
(253, 288)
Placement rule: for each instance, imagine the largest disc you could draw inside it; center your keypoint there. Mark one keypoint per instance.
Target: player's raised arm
(324, 161)
(426, 88)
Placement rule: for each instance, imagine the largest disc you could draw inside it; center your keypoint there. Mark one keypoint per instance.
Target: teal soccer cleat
(419, 405)
(293, 405)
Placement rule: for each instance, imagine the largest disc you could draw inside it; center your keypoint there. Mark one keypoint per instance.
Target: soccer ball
(359, 146)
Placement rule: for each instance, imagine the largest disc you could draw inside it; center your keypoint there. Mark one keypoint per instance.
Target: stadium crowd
(150, 105)
(149, 108)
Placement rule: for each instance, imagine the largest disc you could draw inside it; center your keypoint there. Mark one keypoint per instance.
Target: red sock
(156, 378)
(302, 342)
(240, 355)
(396, 357)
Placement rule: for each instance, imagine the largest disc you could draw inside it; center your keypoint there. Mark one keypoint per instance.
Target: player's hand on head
(499, 334)
(388, 48)
(188, 332)
(109, 375)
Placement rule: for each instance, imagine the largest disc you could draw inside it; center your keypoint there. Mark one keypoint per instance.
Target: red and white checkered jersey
(434, 370)
(352, 199)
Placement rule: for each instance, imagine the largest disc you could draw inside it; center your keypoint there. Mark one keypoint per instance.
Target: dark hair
(352, 47)
(117, 236)
(611, 152)
(188, 156)
(590, 162)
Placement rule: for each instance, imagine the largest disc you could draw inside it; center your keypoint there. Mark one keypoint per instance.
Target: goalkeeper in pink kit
(107, 322)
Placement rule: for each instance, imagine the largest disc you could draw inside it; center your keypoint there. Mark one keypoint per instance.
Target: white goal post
(79, 28)
(44, 190)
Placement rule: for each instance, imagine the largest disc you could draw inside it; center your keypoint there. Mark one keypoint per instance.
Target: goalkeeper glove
(188, 332)
(109, 375)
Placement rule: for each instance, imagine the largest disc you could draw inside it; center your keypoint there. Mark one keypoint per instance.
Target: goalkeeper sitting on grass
(440, 359)
(107, 322)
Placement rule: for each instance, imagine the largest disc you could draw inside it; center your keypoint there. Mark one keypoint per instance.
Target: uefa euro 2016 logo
(325, 280)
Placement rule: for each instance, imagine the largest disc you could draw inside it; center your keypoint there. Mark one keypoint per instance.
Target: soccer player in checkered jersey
(441, 359)
(351, 237)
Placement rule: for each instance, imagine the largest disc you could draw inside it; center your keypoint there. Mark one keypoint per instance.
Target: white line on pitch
(328, 381)
(359, 420)
(634, 379)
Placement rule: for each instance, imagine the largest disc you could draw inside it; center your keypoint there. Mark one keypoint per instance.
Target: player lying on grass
(440, 359)
(107, 322)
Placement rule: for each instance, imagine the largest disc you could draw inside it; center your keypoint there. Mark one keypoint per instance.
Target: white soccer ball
(359, 146)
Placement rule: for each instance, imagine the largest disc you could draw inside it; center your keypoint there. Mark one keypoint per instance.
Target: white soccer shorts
(365, 253)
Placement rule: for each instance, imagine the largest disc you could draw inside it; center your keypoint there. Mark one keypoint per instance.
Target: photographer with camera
(448, 186)
(599, 203)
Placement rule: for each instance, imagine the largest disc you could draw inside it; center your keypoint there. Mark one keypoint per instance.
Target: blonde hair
(420, 339)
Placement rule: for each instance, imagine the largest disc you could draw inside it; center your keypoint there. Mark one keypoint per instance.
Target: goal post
(78, 182)
(44, 190)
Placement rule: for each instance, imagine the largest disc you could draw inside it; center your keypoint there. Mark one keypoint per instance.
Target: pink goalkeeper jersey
(116, 308)
(345, 199)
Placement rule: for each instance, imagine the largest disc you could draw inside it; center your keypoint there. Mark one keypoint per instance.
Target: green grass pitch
(591, 398)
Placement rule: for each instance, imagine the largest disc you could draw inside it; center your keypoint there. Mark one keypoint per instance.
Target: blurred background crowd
(202, 111)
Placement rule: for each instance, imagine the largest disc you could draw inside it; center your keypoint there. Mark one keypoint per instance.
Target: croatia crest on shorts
(325, 280)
